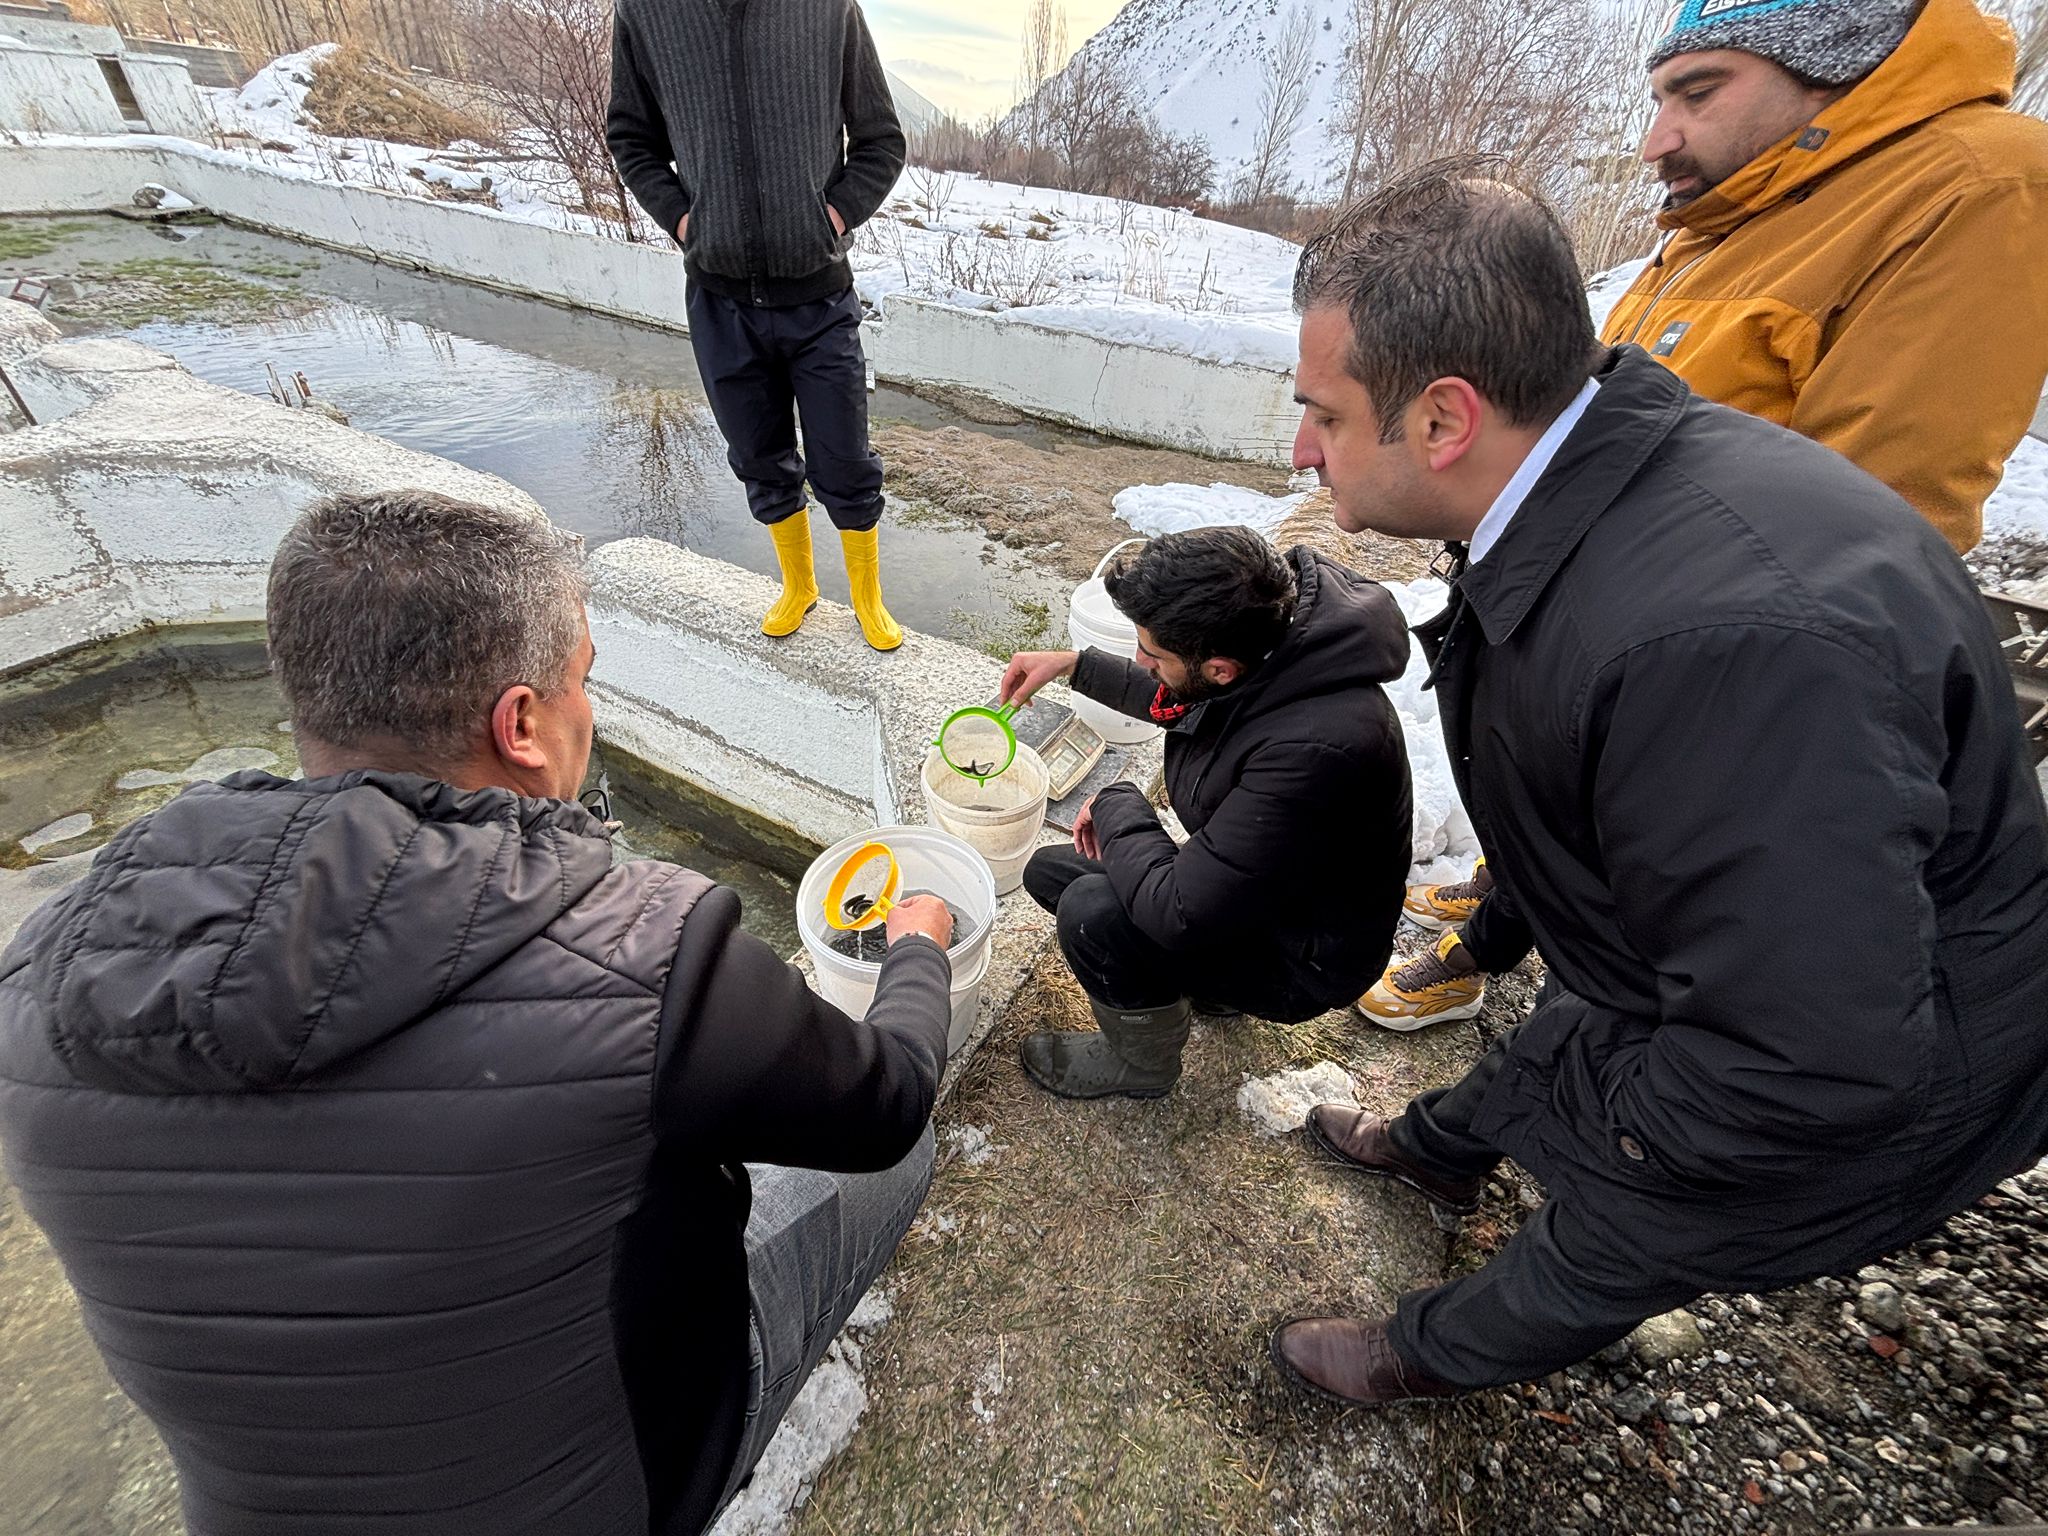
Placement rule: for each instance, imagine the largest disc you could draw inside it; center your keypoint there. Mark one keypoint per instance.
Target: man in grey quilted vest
(394, 1138)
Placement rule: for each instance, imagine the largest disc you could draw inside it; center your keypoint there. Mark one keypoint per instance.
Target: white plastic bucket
(1093, 620)
(929, 860)
(1000, 820)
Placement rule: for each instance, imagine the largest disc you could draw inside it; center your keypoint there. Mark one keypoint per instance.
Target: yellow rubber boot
(792, 538)
(864, 581)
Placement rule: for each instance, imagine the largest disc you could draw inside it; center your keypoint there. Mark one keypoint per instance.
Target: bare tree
(548, 62)
(1044, 54)
(1380, 42)
(1284, 97)
(1609, 201)
(1490, 77)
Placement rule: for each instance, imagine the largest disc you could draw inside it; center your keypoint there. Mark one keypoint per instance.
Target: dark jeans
(1119, 966)
(815, 1243)
(763, 367)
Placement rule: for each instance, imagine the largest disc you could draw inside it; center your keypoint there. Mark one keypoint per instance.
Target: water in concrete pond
(601, 421)
(94, 739)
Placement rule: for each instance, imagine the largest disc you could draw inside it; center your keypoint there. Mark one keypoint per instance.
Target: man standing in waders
(760, 134)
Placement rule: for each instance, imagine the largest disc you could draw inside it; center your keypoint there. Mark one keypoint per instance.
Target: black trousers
(1558, 1293)
(765, 366)
(1619, 1240)
(1497, 936)
(1118, 965)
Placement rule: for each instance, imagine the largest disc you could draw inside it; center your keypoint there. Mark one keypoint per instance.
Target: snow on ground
(1604, 289)
(2020, 504)
(1175, 508)
(818, 1426)
(1156, 276)
(265, 120)
(1280, 1103)
(1446, 847)
(970, 1144)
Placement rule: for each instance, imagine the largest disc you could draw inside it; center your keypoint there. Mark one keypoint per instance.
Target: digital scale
(1078, 762)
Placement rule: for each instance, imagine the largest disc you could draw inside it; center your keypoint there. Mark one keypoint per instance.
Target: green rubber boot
(1136, 1054)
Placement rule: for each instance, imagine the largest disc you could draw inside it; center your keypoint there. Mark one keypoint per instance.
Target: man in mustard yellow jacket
(1858, 250)
(1858, 228)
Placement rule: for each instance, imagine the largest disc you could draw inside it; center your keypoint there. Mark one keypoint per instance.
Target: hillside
(1199, 66)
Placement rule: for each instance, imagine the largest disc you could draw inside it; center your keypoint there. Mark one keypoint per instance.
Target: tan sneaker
(1425, 990)
(1447, 906)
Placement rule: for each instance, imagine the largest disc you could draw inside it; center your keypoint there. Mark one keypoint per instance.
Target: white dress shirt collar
(1516, 491)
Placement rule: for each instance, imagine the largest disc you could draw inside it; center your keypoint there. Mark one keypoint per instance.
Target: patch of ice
(217, 764)
(1280, 1103)
(223, 761)
(2020, 504)
(818, 1426)
(61, 830)
(971, 1145)
(1175, 508)
(23, 890)
(154, 194)
(146, 778)
(987, 1388)
(872, 1310)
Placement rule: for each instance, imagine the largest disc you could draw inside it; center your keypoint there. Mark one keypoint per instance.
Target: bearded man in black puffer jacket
(1285, 763)
(393, 1137)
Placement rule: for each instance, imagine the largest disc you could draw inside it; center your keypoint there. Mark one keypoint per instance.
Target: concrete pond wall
(145, 496)
(1232, 411)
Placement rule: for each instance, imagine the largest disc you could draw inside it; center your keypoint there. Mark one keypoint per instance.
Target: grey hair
(406, 614)
(1445, 272)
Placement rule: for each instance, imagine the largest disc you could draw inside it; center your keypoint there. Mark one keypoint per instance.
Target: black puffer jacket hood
(324, 932)
(1347, 631)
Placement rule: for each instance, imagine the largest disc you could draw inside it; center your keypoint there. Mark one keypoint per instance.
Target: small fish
(856, 907)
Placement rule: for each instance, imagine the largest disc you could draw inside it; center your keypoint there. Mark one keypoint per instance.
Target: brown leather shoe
(1356, 1138)
(1351, 1361)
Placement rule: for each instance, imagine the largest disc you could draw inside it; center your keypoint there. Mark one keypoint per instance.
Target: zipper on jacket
(1669, 283)
(743, 109)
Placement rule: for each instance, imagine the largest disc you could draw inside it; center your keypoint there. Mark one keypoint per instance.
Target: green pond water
(91, 740)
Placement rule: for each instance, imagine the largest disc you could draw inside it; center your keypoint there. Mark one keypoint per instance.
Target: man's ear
(1221, 671)
(514, 736)
(1444, 422)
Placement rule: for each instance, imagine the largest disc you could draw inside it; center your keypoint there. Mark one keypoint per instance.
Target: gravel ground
(1910, 1393)
(2011, 562)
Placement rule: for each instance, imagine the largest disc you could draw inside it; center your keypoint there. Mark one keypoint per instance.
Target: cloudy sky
(962, 54)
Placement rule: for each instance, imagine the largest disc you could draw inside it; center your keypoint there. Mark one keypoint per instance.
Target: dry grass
(358, 95)
(1081, 1323)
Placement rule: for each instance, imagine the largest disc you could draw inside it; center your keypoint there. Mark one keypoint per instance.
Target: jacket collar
(1638, 404)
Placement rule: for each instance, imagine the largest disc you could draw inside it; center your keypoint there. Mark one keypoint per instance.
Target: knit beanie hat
(1826, 42)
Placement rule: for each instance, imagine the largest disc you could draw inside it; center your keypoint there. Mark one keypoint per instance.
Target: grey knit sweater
(752, 116)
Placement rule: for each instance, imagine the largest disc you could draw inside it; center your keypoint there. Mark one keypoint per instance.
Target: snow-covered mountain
(913, 111)
(1200, 66)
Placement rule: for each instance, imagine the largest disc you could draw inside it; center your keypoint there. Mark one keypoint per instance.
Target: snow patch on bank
(1175, 508)
(1446, 847)
(1279, 1104)
(2020, 504)
(818, 1426)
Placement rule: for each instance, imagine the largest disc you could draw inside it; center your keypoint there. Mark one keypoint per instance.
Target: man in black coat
(394, 1137)
(760, 136)
(1698, 675)
(1285, 763)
